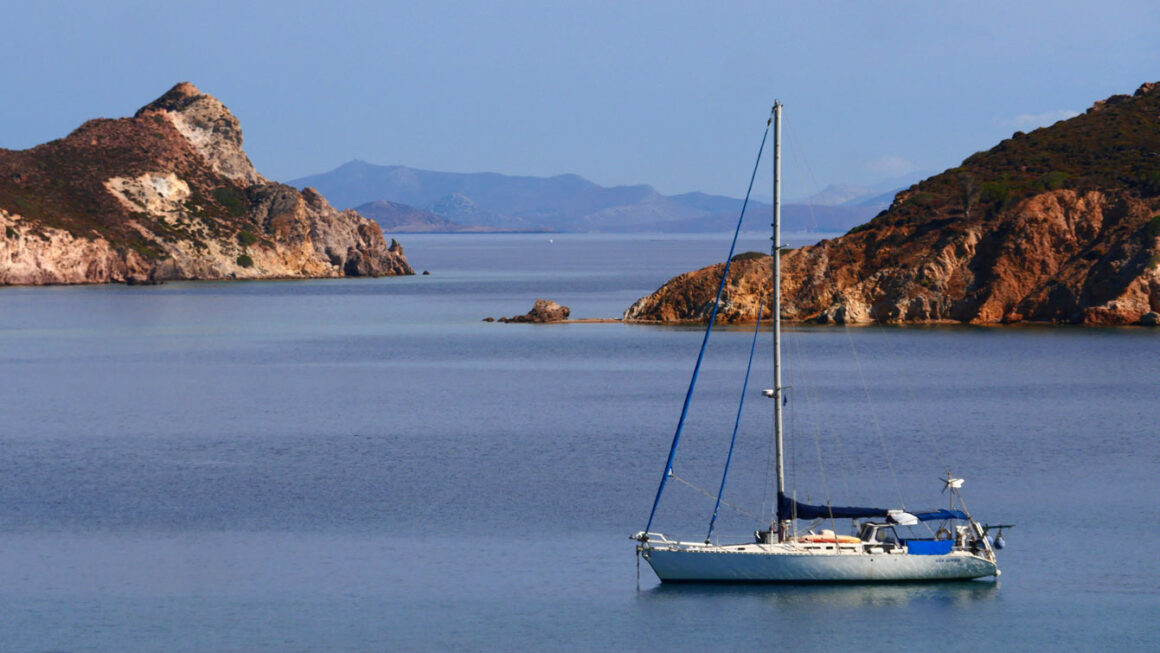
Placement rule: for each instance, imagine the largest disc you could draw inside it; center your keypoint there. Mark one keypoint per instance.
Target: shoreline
(933, 323)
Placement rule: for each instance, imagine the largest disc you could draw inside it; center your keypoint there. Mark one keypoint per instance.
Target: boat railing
(659, 538)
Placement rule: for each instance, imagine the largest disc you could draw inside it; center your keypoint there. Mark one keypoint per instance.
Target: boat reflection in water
(859, 595)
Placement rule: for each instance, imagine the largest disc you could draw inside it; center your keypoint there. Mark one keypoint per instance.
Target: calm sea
(366, 465)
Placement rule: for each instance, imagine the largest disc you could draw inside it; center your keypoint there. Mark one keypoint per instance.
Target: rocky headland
(170, 194)
(1060, 225)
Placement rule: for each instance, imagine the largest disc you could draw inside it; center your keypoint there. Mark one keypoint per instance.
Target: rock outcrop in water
(1061, 225)
(170, 194)
(543, 311)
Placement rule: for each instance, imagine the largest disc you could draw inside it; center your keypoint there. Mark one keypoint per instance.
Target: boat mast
(781, 521)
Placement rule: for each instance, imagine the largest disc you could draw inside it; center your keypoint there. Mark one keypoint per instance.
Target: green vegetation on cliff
(1114, 146)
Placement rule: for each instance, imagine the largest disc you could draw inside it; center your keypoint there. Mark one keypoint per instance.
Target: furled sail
(788, 508)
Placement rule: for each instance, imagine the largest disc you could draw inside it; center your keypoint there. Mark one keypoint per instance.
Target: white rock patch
(198, 123)
(154, 193)
(199, 135)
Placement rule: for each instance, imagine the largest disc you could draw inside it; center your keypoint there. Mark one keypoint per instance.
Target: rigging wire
(789, 435)
(925, 424)
(799, 155)
(737, 423)
(811, 399)
(811, 395)
(850, 341)
(812, 408)
(874, 415)
(822, 470)
(708, 330)
(698, 488)
(769, 501)
(914, 401)
(882, 443)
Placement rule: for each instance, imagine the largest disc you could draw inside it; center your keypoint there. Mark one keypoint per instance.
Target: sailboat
(876, 550)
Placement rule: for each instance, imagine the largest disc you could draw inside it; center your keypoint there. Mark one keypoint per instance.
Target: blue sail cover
(788, 508)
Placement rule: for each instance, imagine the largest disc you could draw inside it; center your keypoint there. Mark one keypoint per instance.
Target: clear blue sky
(673, 94)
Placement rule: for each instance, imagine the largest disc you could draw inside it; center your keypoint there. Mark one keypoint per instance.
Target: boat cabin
(872, 533)
(875, 535)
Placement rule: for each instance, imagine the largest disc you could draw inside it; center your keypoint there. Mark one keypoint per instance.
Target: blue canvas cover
(788, 508)
(931, 515)
(929, 547)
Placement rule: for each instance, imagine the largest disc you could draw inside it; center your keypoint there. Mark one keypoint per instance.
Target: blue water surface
(367, 465)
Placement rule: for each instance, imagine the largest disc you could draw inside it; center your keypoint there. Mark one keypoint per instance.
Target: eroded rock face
(51, 256)
(543, 311)
(1060, 226)
(689, 297)
(1059, 257)
(170, 194)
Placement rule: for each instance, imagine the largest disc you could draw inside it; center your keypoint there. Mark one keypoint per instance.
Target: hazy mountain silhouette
(560, 203)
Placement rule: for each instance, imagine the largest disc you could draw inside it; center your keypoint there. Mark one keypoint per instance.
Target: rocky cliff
(1061, 225)
(170, 194)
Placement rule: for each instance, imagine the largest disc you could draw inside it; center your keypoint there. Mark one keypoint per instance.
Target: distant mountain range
(877, 197)
(403, 199)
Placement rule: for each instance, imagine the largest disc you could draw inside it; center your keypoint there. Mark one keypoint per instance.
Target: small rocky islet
(544, 311)
(1060, 225)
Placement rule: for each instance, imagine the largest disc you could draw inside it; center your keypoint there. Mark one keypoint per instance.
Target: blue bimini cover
(931, 515)
(929, 547)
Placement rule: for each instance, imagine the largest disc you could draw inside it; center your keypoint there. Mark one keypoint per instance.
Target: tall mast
(775, 249)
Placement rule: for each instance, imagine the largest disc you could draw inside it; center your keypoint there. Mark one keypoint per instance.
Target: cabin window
(887, 536)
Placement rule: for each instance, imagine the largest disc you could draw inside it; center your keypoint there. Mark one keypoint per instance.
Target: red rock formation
(1061, 225)
(170, 194)
(689, 297)
(543, 311)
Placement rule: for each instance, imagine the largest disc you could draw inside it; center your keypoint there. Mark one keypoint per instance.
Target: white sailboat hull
(773, 563)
